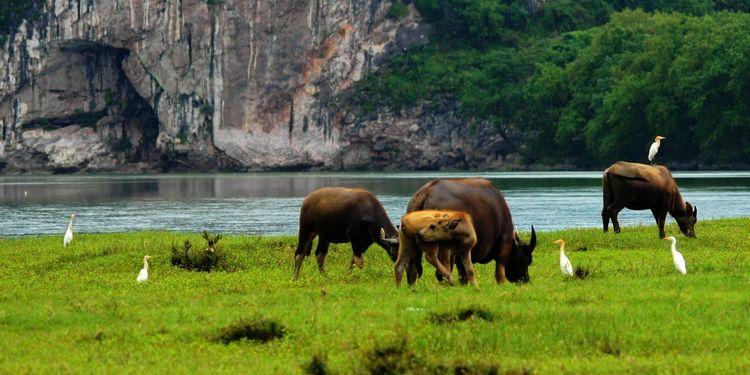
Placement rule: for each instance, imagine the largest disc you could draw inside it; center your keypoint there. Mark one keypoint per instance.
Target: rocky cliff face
(216, 85)
(429, 136)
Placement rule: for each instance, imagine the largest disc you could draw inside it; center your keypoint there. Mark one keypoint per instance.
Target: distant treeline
(587, 81)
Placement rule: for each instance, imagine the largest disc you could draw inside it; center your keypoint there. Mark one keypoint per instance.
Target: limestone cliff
(121, 85)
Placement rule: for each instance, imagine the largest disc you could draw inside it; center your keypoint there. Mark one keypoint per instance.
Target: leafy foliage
(398, 10)
(206, 260)
(587, 82)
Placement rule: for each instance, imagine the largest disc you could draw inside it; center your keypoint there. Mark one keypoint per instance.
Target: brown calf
(431, 231)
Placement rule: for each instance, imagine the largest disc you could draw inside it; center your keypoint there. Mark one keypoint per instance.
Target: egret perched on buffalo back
(69, 233)
(143, 275)
(679, 260)
(565, 266)
(654, 149)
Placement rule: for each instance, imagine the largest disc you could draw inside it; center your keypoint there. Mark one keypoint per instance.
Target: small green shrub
(390, 358)
(256, 329)
(581, 272)
(316, 366)
(462, 315)
(210, 259)
(398, 10)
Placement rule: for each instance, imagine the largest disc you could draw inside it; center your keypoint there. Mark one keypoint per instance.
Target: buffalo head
(517, 269)
(390, 245)
(687, 221)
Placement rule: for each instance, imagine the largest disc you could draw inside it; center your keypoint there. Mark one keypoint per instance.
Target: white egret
(679, 260)
(143, 275)
(565, 266)
(69, 233)
(654, 149)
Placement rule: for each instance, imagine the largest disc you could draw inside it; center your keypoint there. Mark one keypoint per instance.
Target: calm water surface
(269, 203)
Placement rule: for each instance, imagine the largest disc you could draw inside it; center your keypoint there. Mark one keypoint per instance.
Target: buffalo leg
(500, 272)
(406, 252)
(613, 209)
(430, 250)
(414, 271)
(464, 252)
(445, 257)
(463, 276)
(320, 253)
(304, 244)
(500, 262)
(358, 251)
(661, 219)
(605, 219)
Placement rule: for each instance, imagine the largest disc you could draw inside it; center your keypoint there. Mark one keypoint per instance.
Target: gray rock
(159, 85)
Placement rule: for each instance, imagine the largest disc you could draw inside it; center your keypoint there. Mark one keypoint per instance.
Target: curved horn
(532, 241)
(393, 241)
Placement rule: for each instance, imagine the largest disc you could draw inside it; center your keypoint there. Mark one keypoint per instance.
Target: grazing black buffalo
(496, 237)
(340, 215)
(645, 187)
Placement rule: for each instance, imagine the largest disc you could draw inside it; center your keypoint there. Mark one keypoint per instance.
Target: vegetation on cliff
(590, 81)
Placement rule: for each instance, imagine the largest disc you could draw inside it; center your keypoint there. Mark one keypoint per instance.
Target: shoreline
(292, 236)
(541, 168)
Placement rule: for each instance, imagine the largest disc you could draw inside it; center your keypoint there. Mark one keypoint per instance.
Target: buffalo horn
(388, 240)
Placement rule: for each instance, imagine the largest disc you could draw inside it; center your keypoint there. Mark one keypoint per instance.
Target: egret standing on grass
(565, 266)
(69, 233)
(143, 275)
(679, 260)
(654, 149)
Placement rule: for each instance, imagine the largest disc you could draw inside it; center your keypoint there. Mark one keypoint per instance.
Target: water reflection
(269, 203)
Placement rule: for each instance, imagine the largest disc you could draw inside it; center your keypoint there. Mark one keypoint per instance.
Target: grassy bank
(80, 308)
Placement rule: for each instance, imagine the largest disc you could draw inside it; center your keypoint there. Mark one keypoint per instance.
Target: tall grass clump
(210, 259)
(256, 329)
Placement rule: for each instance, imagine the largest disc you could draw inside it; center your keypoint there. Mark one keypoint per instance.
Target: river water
(269, 203)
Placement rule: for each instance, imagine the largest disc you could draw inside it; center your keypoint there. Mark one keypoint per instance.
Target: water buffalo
(341, 215)
(644, 187)
(497, 239)
(431, 231)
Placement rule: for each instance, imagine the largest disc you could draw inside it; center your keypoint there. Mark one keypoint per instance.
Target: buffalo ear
(454, 223)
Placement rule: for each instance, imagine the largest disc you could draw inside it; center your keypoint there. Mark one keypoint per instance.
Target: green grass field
(80, 309)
